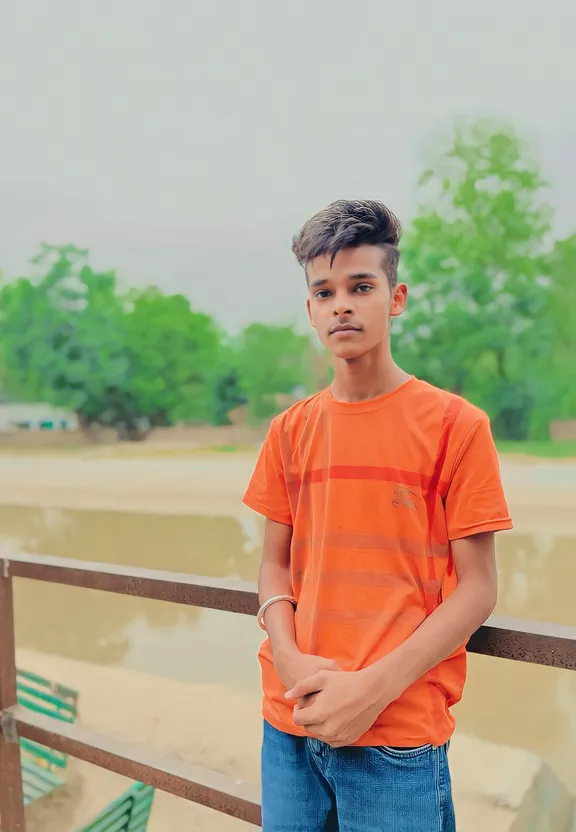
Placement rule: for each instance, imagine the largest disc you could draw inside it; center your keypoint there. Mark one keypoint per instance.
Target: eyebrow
(322, 281)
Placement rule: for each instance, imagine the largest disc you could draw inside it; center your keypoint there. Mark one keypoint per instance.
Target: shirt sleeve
(475, 500)
(267, 492)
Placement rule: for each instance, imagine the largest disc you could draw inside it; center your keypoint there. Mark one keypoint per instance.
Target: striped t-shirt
(375, 491)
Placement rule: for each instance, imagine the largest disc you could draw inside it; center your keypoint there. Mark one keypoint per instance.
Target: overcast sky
(184, 143)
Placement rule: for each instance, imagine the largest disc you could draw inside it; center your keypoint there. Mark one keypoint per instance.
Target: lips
(344, 328)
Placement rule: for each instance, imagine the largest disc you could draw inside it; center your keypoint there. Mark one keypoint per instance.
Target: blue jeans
(308, 786)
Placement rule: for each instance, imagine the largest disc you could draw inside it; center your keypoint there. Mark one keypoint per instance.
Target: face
(350, 303)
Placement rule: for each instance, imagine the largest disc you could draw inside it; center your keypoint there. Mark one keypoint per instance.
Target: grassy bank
(131, 450)
(543, 449)
(185, 450)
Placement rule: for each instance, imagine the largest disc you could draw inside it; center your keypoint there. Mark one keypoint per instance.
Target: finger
(336, 743)
(313, 684)
(306, 701)
(299, 718)
(305, 718)
(320, 734)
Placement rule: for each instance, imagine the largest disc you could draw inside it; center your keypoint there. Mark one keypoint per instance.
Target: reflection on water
(186, 643)
(536, 575)
(505, 702)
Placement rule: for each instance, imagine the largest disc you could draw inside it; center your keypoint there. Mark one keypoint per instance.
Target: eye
(323, 293)
(363, 287)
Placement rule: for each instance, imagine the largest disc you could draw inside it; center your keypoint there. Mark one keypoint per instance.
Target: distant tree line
(71, 336)
(492, 316)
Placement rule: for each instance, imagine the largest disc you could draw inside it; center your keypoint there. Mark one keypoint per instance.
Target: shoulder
(290, 424)
(439, 411)
(455, 424)
(446, 405)
(298, 413)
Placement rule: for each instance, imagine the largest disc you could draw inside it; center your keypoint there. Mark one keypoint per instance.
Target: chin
(348, 352)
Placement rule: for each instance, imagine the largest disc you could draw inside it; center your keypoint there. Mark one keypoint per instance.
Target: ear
(398, 301)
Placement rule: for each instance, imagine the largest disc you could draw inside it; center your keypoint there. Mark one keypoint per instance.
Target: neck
(372, 374)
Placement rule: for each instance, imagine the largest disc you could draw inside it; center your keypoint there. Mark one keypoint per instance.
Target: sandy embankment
(213, 485)
(206, 485)
(495, 787)
(207, 725)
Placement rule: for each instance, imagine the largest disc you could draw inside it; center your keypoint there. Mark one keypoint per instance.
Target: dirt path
(208, 485)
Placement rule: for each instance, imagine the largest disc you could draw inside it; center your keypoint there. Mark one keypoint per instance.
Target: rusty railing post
(11, 792)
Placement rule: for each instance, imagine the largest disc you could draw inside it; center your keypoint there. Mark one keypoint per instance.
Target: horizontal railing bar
(535, 642)
(226, 594)
(138, 762)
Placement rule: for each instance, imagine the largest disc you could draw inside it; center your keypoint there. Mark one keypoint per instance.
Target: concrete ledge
(506, 789)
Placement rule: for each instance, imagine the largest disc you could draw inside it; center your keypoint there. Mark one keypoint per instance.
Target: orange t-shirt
(375, 491)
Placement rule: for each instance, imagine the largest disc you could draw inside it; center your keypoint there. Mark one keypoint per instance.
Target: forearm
(279, 617)
(440, 634)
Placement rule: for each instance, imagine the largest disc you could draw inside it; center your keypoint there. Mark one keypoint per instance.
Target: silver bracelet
(269, 602)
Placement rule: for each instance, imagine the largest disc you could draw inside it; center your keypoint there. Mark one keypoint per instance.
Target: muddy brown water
(505, 702)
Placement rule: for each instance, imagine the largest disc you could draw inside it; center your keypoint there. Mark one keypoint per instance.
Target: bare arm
(454, 621)
(275, 579)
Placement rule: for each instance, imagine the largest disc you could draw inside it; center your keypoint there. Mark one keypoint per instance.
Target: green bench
(41, 765)
(129, 813)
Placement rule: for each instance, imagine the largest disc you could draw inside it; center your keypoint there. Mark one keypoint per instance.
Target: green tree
(71, 337)
(63, 340)
(474, 259)
(227, 394)
(271, 360)
(559, 370)
(175, 356)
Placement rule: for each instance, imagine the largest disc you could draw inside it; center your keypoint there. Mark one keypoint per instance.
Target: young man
(381, 496)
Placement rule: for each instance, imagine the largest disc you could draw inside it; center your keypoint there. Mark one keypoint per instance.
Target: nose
(342, 306)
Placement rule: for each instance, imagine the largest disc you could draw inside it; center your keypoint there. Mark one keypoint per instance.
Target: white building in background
(34, 416)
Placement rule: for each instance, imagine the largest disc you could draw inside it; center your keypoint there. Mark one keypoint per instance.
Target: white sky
(184, 143)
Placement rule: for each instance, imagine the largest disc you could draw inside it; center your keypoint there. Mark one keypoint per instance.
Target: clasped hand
(336, 706)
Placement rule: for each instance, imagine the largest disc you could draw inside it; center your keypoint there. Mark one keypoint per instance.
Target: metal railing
(538, 643)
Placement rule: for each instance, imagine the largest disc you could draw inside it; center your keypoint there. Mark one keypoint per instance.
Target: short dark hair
(349, 223)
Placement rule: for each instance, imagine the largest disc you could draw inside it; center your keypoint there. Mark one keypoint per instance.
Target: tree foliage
(475, 259)
(271, 359)
(173, 355)
(62, 337)
(560, 372)
(71, 337)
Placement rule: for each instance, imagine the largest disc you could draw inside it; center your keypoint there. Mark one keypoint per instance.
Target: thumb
(306, 686)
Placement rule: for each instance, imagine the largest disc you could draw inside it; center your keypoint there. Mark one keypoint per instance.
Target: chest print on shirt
(405, 497)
